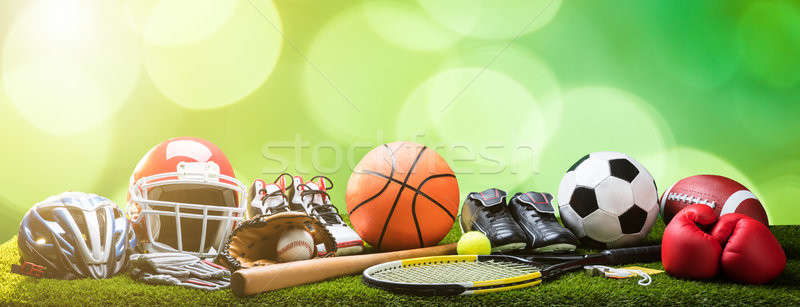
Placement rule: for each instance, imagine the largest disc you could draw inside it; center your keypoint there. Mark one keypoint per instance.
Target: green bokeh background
(509, 92)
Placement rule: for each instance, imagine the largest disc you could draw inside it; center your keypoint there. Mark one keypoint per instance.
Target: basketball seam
(399, 192)
(388, 181)
(417, 191)
(413, 188)
(414, 205)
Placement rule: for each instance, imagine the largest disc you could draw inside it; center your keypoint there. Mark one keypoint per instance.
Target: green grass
(572, 289)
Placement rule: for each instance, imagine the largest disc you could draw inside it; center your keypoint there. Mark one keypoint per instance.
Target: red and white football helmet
(184, 197)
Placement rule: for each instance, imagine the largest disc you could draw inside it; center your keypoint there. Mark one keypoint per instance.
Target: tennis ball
(474, 243)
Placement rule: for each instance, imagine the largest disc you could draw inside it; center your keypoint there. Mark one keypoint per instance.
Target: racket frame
(547, 270)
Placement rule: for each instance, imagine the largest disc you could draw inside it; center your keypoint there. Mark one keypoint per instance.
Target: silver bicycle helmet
(74, 235)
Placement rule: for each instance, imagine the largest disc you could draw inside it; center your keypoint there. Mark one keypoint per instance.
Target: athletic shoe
(266, 199)
(294, 193)
(290, 186)
(285, 182)
(488, 213)
(534, 213)
(317, 203)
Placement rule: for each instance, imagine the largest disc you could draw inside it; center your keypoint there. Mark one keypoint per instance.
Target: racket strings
(454, 272)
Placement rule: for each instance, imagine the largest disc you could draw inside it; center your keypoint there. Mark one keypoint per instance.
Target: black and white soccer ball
(608, 199)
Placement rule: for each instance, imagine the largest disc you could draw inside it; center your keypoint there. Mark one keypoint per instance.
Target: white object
(317, 203)
(608, 198)
(76, 235)
(295, 244)
(610, 272)
(266, 199)
(178, 269)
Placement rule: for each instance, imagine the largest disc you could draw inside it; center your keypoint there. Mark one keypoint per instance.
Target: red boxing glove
(752, 254)
(686, 250)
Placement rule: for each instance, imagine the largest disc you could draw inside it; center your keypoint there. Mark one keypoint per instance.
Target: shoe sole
(351, 250)
(553, 248)
(497, 249)
(509, 247)
(556, 248)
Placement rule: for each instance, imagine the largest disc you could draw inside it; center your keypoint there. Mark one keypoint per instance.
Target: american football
(722, 194)
(608, 199)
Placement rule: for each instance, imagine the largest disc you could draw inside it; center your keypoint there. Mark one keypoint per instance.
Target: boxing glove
(750, 252)
(686, 250)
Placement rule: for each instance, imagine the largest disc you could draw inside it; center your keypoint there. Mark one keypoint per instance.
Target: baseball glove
(253, 243)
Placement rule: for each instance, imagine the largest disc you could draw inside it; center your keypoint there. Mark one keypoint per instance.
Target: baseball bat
(278, 276)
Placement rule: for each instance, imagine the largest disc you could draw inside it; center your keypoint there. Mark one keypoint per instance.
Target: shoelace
(291, 182)
(284, 206)
(496, 217)
(326, 211)
(329, 184)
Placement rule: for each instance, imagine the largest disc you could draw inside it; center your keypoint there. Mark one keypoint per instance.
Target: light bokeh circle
(176, 22)
(778, 195)
(225, 66)
(680, 162)
(598, 118)
(38, 164)
(408, 26)
(492, 19)
(493, 131)
(526, 69)
(770, 36)
(356, 80)
(69, 65)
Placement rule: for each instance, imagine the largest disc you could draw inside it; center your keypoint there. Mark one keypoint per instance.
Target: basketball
(402, 195)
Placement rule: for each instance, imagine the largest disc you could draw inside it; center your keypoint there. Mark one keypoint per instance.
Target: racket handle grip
(628, 255)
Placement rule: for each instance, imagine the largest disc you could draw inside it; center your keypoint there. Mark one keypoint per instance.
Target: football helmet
(184, 197)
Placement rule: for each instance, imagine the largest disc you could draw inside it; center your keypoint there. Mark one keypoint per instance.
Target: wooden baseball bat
(278, 276)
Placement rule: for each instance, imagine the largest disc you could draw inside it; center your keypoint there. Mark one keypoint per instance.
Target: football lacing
(685, 198)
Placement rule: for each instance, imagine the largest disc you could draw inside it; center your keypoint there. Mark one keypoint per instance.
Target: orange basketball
(402, 195)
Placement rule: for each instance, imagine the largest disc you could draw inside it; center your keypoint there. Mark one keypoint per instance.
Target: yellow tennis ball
(474, 243)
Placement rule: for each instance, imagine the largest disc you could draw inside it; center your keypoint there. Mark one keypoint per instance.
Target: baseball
(295, 244)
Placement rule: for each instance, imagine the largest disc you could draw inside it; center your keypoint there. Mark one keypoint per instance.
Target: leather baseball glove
(253, 243)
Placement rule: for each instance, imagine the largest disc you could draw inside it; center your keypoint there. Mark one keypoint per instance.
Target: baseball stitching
(297, 243)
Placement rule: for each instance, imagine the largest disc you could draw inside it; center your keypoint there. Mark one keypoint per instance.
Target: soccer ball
(608, 199)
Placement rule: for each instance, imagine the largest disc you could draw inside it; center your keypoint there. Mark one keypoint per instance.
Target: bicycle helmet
(74, 235)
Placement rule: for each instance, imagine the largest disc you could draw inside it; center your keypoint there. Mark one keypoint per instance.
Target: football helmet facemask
(184, 197)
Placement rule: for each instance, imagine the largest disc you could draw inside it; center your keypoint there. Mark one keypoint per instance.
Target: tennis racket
(471, 274)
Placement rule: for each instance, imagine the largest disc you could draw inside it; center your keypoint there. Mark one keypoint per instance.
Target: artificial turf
(572, 289)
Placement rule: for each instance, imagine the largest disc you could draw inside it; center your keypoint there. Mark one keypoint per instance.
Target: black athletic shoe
(534, 213)
(488, 213)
